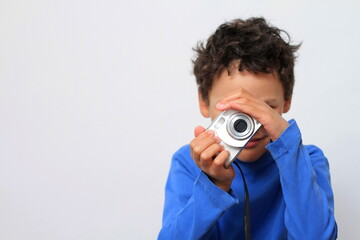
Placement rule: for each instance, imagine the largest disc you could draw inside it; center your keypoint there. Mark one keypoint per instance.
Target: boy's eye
(272, 104)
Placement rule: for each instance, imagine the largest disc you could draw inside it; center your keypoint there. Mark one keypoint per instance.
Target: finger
(219, 161)
(237, 94)
(243, 105)
(201, 137)
(198, 147)
(211, 151)
(205, 143)
(207, 156)
(198, 130)
(233, 95)
(205, 164)
(254, 109)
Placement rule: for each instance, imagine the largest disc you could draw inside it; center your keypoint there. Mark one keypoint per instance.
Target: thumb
(198, 130)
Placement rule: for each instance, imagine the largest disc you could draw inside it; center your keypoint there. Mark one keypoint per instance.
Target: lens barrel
(240, 126)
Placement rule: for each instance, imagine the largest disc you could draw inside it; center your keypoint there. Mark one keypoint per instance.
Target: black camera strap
(247, 226)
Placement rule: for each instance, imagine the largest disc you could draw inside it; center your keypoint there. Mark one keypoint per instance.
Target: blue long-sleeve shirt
(289, 188)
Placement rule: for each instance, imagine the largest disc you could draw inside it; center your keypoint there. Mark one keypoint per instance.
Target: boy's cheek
(214, 113)
(261, 132)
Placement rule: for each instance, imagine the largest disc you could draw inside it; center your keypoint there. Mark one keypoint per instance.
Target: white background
(95, 96)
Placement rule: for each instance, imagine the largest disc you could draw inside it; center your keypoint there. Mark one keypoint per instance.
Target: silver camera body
(235, 129)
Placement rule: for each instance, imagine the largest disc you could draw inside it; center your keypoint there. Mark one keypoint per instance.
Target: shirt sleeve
(305, 181)
(193, 204)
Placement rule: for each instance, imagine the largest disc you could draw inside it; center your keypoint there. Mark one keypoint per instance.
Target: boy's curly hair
(258, 46)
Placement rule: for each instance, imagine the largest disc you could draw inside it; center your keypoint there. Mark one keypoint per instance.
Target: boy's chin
(251, 154)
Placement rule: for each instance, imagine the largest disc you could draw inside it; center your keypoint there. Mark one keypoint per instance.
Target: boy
(247, 66)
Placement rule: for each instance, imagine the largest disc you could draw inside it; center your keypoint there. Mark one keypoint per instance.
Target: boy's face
(265, 87)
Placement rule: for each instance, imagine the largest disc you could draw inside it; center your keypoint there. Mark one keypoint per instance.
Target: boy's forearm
(306, 187)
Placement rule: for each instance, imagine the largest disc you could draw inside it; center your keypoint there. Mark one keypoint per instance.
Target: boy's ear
(287, 106)
(204, 107)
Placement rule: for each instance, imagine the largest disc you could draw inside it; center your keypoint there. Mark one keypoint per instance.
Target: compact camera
(235, 129)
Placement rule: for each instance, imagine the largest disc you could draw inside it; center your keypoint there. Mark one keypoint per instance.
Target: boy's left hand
(271, 119)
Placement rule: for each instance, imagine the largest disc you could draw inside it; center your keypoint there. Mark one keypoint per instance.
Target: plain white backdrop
(95, 97)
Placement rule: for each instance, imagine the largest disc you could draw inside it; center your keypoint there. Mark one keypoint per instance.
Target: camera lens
(240, 125)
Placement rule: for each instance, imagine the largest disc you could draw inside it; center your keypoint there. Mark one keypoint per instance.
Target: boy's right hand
(210, 157)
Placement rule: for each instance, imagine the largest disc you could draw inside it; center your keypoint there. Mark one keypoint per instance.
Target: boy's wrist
(224, 185)
(283, 125)
(290, 137)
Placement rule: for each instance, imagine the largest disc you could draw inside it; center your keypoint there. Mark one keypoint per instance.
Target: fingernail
(210, 132)
(220, 105)
(217, 139)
